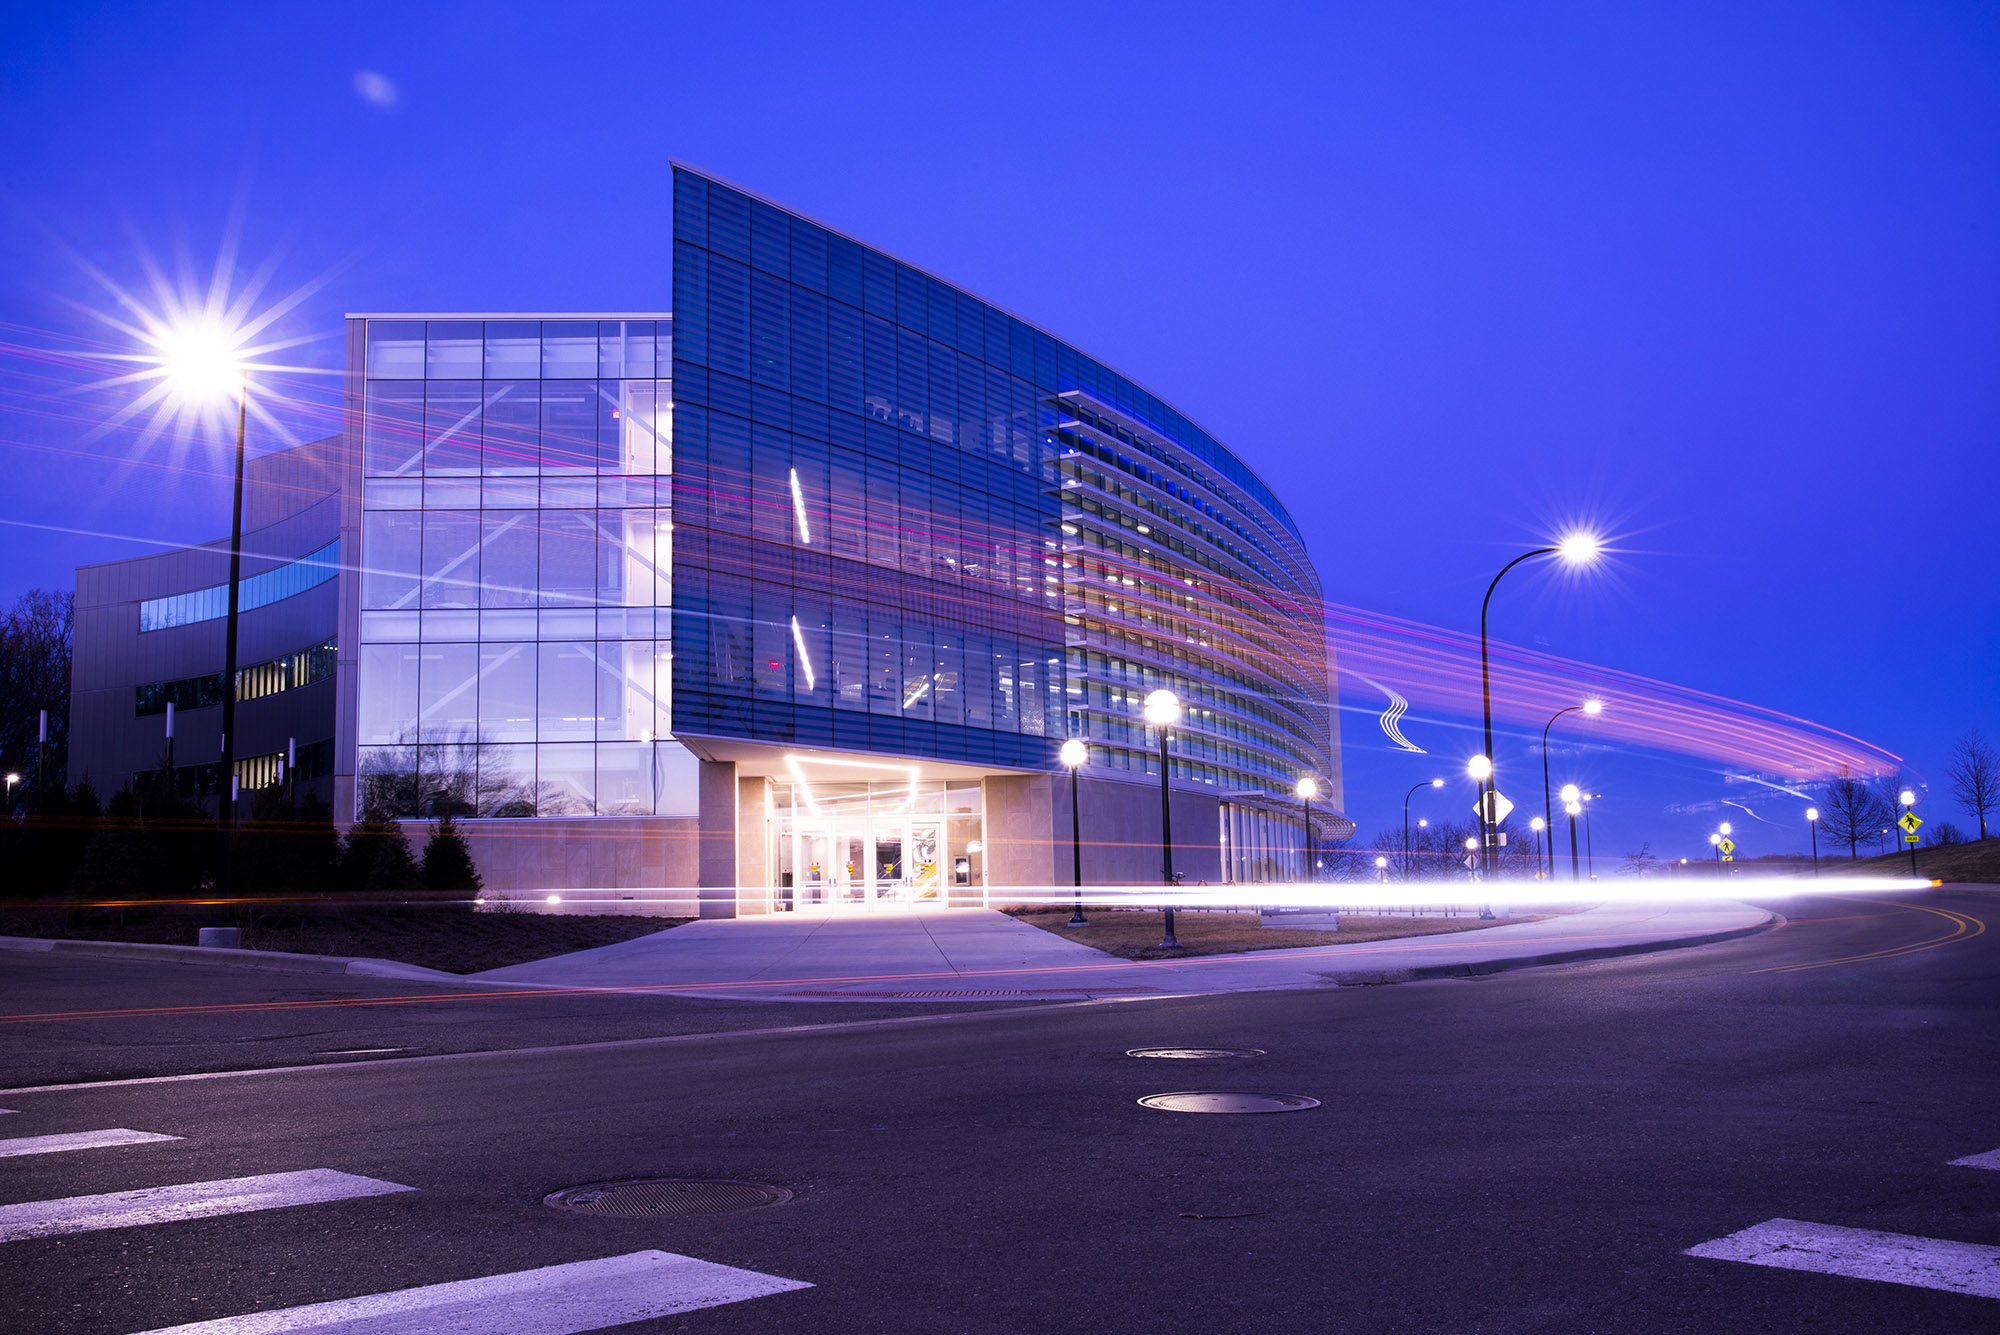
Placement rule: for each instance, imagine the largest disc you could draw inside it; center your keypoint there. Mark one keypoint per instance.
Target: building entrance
(858, 846)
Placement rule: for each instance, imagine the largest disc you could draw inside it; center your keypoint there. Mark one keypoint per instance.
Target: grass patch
(1978, 861)
(1134, 934)
(450, 937)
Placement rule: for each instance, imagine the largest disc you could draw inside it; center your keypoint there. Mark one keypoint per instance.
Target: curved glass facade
(908, 522)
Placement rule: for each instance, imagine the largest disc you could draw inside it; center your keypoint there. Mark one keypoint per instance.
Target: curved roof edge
(1284, 514)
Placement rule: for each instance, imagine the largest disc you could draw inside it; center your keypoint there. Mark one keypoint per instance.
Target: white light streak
(805, 660)
(799, 509)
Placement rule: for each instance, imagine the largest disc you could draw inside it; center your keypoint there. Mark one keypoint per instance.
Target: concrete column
(753, 844)
(717, 850)
(1019, 832)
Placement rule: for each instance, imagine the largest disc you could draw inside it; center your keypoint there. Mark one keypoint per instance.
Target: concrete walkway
(981, 954)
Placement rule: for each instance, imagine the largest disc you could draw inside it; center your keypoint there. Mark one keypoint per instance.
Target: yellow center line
(1963, 928)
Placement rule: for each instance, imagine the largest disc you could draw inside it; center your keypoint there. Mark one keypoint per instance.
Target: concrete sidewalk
(981, 954)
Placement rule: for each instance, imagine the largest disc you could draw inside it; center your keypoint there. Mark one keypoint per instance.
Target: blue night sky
(1721, 278)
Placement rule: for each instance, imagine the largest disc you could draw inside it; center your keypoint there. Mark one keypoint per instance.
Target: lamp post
(1591, 707)
(202, 364)
(1577, 549)
(12, 779)
(1715, 842)
(1308, 789)
(1812, 823)
(1589, 848)
(1430, 783)
(1909, 799)
(1472, 860)
(1538, 825)
(1481, 770)
(1163, 710)
(1382, 870)
(1572, 797)
(1073, 753)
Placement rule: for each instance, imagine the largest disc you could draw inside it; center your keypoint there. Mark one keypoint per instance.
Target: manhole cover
(1229, 1103)
(665, 1197)
(1194, 1053)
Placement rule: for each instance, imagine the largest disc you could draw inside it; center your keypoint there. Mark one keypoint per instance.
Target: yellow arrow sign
(1910, 821)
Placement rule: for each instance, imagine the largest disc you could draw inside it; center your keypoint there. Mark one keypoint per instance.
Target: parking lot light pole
(1429, 783)
(1163, 710)
(1073, 753)
(1812, 823)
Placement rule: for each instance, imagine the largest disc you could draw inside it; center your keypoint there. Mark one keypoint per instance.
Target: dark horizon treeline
(149, 843)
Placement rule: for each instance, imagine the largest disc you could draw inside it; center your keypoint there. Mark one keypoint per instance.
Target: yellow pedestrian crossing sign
(1910, 821)
(1727, 846)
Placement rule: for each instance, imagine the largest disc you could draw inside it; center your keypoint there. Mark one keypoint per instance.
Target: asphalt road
(1530, 1151)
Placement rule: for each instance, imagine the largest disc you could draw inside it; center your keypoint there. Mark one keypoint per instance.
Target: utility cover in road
(1493, 807)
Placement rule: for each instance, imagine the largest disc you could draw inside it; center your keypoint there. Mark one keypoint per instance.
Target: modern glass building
(787, 598)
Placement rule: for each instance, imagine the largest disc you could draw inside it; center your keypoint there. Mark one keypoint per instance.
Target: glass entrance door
(858, 850)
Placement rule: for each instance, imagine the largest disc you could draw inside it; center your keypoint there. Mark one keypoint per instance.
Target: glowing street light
(1163, 709)
(201, 365)
(1577, 549)
(1572, 797)
(1715, 842)
(1429, 783)
(12, 779)
(1538, 825)
(1812, 823)
(1593, 707)
(1382, 869)
(1072, 754)
(1308, 789)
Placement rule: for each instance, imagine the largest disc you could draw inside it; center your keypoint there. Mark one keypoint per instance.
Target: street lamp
(1431, 783)
(202, 365)
(1308, 789)
(1382, 870)
(1589, 847)
(1909, 799)
(1572, 797)
(1591, 707)
(1073, 754)
(12, 779)
(1576, 549)
(1812, 823)
(1163, 709)
(1538, 825)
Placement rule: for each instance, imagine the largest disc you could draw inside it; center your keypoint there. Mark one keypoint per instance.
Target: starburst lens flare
(1580, 549)
(201, 363)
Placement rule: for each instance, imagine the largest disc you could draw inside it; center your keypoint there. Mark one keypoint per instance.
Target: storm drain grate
(667, 1197)
(1194, 1054)
(1229, 1103)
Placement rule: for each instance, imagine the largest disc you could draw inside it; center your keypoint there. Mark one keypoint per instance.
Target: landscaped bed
(1134, 934)
(450, 935)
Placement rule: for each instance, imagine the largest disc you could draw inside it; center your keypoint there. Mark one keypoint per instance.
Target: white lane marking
(554, 1300)
(1990, 1159)
(188, 1200)
(1860, 1253)
(78, 1140)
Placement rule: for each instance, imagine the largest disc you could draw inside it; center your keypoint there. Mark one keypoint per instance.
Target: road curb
(1481, 968)
(267, 961)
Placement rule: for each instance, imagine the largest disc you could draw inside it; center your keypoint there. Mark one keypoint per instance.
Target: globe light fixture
(1574, 808)
(1479, 768)
(1580, 548)
(1163, 709)
(1073, 753)
(1307, 789)
(1538, 825)
(1724, 827)
(1715, 838)
(1571, 795)
(1907, 798)
(1812, 824)
(1812, 813)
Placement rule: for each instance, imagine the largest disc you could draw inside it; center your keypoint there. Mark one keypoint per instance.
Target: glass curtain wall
(866, 537)
(515, 568)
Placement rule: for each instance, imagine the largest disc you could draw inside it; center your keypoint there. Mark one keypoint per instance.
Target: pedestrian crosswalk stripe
(188, 1200)
(1990, 1159)
(554, 1300)
(1859, 1253)
(78, 1140)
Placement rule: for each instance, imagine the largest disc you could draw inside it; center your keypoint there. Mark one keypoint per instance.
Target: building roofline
(509, 315)
(761, 198)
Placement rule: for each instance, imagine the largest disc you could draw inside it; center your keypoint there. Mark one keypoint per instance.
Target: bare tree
(1641, 862)
(1974, 773)
(1851, 814)
(35, 636)
(1889, 787)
